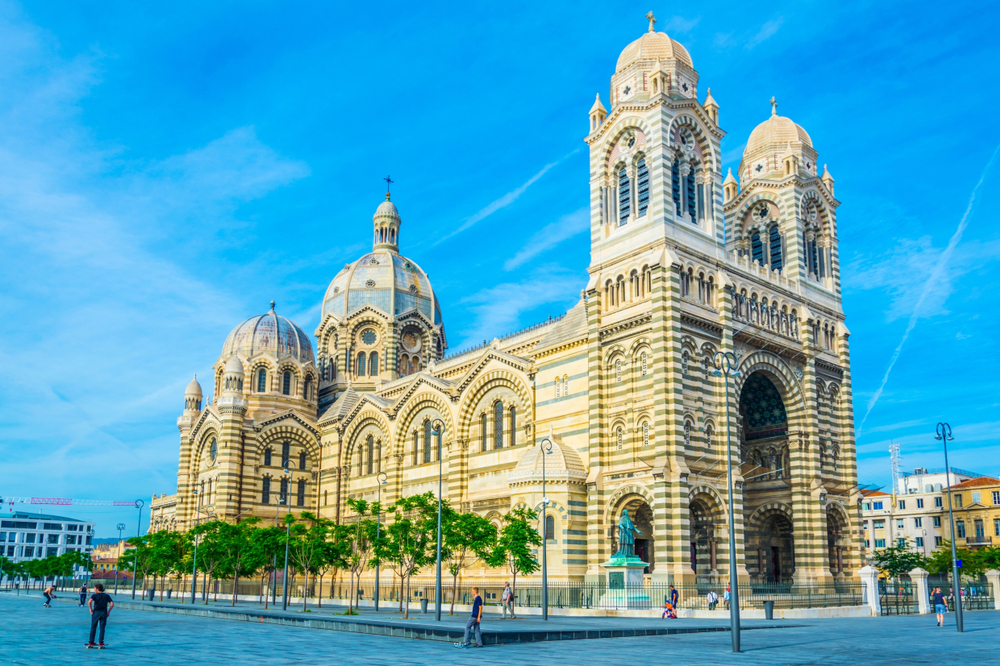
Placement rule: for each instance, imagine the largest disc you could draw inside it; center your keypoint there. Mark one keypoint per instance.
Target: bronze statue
(626, 535)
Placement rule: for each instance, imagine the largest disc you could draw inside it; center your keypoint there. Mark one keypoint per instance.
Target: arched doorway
(642, 515)
(706, 526)
(770, 547)
(836, 529)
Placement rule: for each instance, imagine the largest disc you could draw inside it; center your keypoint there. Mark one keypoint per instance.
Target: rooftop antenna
(895, 463)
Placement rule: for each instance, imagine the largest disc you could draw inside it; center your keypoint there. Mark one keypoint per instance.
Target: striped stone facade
(684, 265)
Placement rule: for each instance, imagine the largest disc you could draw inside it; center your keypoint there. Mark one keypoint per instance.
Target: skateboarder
(100, 608)
(50, 594)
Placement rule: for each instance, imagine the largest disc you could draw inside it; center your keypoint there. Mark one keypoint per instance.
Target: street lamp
(546, 448)
(274, 558)
(382, 480)
(726, 365)
(194, 561)
(119, 527)
(438, 431)
(288, 466)
(138, 532)
(943, 431)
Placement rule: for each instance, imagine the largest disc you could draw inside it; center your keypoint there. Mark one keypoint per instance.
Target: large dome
(385, 281)
(653, 46)
(269, 333)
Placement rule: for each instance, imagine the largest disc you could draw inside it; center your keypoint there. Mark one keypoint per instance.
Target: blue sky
(165, 171)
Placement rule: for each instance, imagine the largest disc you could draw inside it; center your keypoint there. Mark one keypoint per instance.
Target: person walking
(83, 595)
(674, 598)
(100, 608)
(713, 599)
(49, 593)
(507, 601)
(474, 622)
(940, 608)
(725, 597)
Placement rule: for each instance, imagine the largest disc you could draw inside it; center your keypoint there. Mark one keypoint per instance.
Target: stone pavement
(35, 635)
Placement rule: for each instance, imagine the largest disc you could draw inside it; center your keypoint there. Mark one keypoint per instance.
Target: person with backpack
(83, 595)
(713, 599)
(507, 601)
(100, 608)
(725, 597)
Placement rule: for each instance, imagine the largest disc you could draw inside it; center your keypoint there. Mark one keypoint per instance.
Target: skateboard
(94, 645)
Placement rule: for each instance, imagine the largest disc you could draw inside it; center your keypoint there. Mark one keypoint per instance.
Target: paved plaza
(56, 636)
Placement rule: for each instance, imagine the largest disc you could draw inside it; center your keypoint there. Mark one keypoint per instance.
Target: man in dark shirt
(83, 594)
(674, 597)
(473, 623)
(100, 608)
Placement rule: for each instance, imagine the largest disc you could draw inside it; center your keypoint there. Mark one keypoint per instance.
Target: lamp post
(438, 431)
(289, 465)
(382, 479)
(726, 365)
(546, 449)
(194, 561)
(119, 527)
(943, 431)
(274, 558)
(138, 532)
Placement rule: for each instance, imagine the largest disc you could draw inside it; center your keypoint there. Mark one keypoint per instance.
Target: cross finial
(774, 107)
(388, 185)
(652, 20)
(272, 306)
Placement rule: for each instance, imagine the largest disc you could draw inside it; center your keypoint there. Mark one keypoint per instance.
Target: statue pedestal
(625, 585)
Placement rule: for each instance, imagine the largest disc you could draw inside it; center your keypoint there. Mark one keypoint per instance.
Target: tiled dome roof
(384, 280)
(563, 464)
(776, 132)
(269, 333)
(653, 46)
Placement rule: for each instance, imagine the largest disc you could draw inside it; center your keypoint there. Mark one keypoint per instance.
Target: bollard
(769, 609)
(423, 605)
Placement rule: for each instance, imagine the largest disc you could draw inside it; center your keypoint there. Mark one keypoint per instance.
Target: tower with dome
(685, 262)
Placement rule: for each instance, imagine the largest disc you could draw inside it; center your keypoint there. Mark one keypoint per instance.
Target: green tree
(409, 542)
(513, 546)
(138, 559)
(211, 552)
(360, 535)
(308, 537)
(468, 537)
(240, 558)
(169, 549)
(940, 562)
(266, 544)
(897, 560)
(989, 557)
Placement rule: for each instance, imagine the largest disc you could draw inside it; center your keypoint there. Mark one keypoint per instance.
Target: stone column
(993, 576)
(869, 587)
(919, 578)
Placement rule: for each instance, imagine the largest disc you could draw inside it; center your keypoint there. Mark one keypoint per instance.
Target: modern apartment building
(26, 536)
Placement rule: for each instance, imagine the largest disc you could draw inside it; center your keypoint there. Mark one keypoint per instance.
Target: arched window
(642, 361)
(777, 261)
(618, 370)
(285, 453)
(620, 436)
(416, 446)
(261, 380)
(427, 441)
(302, 460)
(686, 282)
(265, 490)
(370, 442)
(642, 187)
(286, 383)
(498, 425)
(483, 421)
(284, 491)
(513, 425)
(267, 457)
(565, 385)
(300, 493)
(624, 197)
(685, 360)
(645, 433)
(558, 386)
(361, 364)
(373, 364)
(213, 449)
(675, 185)
(687, 434)
(756, 248)
(550, 528)
(307, 388)
(691, 201)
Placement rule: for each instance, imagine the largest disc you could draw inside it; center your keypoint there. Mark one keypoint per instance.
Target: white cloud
(768, 30)
(549, 236)
(679, 25)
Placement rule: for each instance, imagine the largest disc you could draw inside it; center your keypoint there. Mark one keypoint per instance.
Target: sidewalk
(389, 622)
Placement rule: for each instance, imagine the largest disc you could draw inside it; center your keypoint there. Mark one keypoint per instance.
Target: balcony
(978, 541)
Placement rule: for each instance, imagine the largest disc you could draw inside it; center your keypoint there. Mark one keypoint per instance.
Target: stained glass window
(513, 425)
(286, 383)
(213, 450)
(642, 187)
(302, 460)
(361, 364)
(300, 494)
(368, 337)
(261, 380)
(498, 425)
(373, 364)
(285, 453)
(550, 528)
(624, 197)
(267, 457)
(265, 490)
(762, 408)
(284, 491)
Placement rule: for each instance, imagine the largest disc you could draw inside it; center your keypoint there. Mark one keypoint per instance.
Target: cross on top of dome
(652, 20)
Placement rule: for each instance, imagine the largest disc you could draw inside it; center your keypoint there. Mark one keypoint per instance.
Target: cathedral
(685, 262)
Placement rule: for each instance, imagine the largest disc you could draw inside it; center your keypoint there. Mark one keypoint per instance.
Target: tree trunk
(454, 591)
(402, 582)
(513, 591)
(305, 586)
(319, 597)
(236, 584)
(350, 593)
(407, 615)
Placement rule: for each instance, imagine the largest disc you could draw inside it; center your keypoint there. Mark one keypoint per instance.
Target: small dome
(194, 388)
(776, 132)
(269, 333)
(653, 46)
(562, 464)
(386, 209)
(234, 366)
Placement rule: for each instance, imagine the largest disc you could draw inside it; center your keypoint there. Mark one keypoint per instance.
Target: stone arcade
(684, 263)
